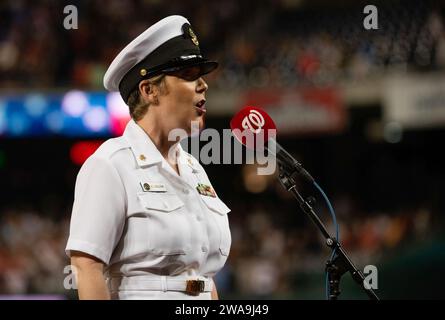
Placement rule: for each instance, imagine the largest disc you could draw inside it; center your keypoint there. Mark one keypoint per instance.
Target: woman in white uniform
(146, 222)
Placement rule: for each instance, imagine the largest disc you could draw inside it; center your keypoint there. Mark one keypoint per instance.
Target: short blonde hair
(138, 107)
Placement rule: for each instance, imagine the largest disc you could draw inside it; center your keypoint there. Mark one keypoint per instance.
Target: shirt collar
(143, 148)
(145, 151)
(186, 159)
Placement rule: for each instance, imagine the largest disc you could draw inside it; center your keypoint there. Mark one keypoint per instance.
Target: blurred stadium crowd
(259, 44)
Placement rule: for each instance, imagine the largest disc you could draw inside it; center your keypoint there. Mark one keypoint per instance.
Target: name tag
(153, 187)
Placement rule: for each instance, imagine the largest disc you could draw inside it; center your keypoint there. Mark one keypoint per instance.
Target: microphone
(252, 125)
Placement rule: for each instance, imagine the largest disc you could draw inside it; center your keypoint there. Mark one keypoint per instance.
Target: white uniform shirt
(132, 211)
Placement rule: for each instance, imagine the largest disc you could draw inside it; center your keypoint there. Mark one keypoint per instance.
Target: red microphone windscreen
(250, 124)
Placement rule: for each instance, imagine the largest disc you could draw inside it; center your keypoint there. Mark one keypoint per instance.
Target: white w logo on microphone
(254, 118)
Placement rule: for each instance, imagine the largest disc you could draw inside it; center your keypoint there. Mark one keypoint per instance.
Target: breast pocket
(219, 212)
(168, 228)
(160, 201)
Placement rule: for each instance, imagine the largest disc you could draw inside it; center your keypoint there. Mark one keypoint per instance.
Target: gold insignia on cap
(194, 37)
(143, 72)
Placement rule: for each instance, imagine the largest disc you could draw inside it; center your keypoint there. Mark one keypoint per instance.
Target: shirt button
(198, 218)
(204, 249)
(186, 191)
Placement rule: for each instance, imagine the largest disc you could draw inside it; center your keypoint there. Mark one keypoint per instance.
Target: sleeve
(98, 215)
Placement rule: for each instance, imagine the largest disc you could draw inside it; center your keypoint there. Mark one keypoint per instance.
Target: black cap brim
(205, 66)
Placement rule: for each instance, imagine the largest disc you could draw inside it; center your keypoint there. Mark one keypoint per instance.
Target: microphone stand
(340, 262)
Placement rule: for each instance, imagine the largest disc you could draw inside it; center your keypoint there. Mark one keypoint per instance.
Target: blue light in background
(74, 113)
(75, 103)
(36, 105)
(96, 119)
(3, 106)
(18, 125)
(54, 121)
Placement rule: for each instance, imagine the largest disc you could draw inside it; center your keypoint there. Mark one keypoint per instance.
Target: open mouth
(200, 107)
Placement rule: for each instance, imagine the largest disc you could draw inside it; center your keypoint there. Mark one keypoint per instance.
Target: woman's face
(185, 99)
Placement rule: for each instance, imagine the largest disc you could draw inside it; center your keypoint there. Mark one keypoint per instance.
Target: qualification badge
(205, 190)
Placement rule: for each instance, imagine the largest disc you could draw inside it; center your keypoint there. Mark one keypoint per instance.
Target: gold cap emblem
(143, 72)
(193, 37)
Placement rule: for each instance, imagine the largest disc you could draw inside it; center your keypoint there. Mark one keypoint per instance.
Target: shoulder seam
(116, 146)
